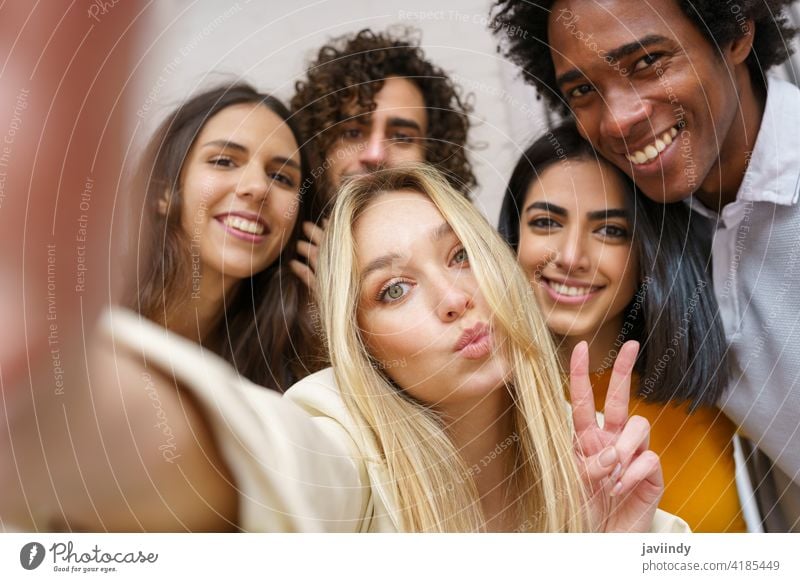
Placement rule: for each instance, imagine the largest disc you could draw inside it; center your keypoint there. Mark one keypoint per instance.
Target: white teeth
(568, 290)
(650, 152)
(239, 223)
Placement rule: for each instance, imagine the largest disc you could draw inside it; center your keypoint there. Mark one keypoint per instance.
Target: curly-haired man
(675, 93)
(372, 100)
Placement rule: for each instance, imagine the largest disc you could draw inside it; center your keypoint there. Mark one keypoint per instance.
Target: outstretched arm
(78, 447)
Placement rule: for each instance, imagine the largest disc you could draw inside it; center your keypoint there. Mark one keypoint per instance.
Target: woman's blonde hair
(432, 484)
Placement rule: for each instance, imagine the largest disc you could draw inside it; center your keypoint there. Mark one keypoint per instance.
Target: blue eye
(460, 256)
(394, 291)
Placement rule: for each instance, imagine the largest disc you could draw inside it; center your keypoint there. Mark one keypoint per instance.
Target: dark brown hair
(675, 300)
(720, 22)
(352, 69)
(265, 332)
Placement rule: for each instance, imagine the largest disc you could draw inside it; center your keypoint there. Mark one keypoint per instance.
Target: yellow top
(696, 453)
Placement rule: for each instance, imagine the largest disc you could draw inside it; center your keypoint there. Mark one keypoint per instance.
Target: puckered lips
(246, 226)
(569, 291)
(475, 342)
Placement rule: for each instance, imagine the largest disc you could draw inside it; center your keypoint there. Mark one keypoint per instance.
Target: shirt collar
(773, 173)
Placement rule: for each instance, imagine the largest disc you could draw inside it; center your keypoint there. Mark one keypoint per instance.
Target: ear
(740, 47)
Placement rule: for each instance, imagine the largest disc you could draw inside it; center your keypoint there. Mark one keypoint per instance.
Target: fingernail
(615, 473)
(617, 489)
(608, 456)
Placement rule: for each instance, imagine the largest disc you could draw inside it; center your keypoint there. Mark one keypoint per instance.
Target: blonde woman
(442, 412)
(457, 381)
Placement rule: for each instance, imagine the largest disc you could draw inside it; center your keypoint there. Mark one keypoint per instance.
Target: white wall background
(198, 43)
(195, 44)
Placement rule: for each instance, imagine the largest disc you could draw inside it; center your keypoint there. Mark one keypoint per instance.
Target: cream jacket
(300, 461)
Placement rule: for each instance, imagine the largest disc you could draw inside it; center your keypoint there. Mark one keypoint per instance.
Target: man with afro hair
(676, 94)
(372, 100)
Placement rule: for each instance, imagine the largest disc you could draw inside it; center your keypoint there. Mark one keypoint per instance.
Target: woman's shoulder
(319, 385)
(295, 469)
(320, 396)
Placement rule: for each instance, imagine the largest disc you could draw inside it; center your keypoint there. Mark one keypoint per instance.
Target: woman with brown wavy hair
(223, 177)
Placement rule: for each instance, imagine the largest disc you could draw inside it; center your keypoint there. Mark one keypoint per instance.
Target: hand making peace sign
(622, 476)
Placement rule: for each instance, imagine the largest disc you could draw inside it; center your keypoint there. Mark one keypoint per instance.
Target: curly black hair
(714, 18)
(353, 68)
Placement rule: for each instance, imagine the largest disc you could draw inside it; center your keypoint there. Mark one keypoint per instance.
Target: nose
(571, 255)
(454, 298)
(374, 154)
(624, 110)
(253, 182)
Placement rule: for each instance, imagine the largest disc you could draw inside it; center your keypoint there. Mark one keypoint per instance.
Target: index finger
(313, 232)
(619, 388)
(580, 390)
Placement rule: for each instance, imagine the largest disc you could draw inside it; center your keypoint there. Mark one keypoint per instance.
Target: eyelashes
(385, 295)
(397, 289)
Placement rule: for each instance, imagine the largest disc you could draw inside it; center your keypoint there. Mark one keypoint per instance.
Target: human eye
(543, 223)
(460, 256)
(646, 61)
(222, 161)
(282, 178)
(613, 231)
(579, 90)
(351, 133)
(394, 291)
(402, 137)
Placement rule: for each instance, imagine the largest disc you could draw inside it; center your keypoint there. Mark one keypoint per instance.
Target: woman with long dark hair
(607, 266)
(224, 177)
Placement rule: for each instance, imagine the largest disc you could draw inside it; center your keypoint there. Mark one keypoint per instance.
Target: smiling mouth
(561, 291)
(243, 225)
(653, 150)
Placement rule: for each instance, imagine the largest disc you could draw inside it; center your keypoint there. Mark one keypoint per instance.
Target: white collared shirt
(756, 271)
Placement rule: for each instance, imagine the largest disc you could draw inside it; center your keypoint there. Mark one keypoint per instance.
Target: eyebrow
(593, 215)
(441, 231)
(286, 162)
(378, 264)
(384, 261)
(224, 143)
(232, 145)
(607, 213)
(615, 54)
(392, 122)
(548, 207)
(403, 122)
